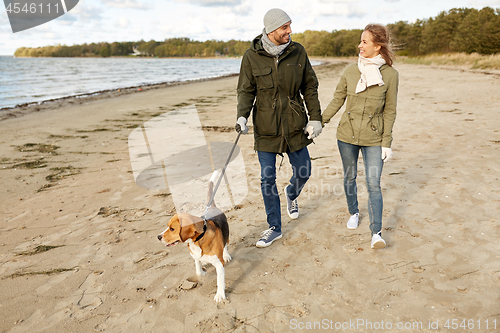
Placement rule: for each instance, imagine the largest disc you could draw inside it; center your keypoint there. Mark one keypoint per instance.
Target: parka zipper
(280, 103)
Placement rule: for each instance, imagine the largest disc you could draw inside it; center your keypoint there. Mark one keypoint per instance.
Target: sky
(132, 20)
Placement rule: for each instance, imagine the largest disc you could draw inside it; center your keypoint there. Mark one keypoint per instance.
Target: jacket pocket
(263, 77)
(298, 112)
(265, 121)
(378, 124)
(344, 130)
(374, 129)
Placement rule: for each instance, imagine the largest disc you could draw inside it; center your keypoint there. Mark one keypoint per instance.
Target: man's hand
(386, 154)
(313, 128)
(241, 125)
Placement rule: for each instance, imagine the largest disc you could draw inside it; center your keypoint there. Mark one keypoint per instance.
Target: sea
(35, 80)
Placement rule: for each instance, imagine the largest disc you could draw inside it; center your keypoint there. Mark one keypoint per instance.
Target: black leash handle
(223, 171)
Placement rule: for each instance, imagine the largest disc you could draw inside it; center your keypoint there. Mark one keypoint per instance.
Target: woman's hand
(386, 154)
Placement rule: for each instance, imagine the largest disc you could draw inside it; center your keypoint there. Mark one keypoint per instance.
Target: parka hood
(256, 44)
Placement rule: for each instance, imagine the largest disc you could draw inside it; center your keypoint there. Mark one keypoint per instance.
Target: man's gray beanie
(274, 19)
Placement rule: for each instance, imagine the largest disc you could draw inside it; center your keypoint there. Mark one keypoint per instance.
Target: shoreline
(127, 57)
(25, 108)
(226, 66)
(20, 110)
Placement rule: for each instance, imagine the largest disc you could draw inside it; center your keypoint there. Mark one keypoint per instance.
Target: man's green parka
(275, 89)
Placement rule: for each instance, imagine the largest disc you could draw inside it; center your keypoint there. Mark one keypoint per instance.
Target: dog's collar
(204, 229)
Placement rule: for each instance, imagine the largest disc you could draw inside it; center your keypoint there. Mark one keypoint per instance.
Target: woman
(371, 88)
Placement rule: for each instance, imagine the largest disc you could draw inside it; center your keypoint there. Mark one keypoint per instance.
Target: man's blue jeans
(301, 166)
(372, 157)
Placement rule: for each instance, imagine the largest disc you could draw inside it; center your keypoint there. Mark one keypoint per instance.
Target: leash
(215, 189)
(222, 173)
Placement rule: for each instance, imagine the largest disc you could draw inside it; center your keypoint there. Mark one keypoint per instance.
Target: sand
(79, 249)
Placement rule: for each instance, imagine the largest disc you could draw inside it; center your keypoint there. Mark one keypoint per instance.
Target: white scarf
(370, 72)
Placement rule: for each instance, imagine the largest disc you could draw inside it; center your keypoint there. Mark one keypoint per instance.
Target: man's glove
(313, 128)
(386, 154)
(241, 125)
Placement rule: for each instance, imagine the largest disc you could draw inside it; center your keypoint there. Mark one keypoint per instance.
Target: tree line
(83, 50)
(173, 47)
(466, 30)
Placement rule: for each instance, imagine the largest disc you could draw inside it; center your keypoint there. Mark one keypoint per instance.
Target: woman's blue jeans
(301, 167)
(372, 157)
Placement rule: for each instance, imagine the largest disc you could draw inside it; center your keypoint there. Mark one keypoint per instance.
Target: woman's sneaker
(353, 221)
(292, 207)
(377, 241)
(268, 237)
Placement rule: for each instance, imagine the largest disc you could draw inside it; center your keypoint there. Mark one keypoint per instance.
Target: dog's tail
(211, 183)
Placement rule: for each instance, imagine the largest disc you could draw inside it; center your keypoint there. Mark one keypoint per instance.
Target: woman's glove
(386, 154)
(313, 128)
(241, 125)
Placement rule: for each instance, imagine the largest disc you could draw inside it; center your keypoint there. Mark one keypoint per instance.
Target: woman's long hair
(380, 36)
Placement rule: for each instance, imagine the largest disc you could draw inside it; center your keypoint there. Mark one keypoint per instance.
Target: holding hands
(313, 128)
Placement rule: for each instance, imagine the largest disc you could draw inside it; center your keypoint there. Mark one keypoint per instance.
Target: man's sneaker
(292, 207)
(377, 241)
(268, 237)
(353, 221)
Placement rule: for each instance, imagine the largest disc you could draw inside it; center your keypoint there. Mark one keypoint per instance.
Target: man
(275, 79)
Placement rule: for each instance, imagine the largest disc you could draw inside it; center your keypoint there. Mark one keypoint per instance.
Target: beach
(79, 249)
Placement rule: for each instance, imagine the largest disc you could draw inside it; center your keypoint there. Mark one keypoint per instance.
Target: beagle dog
(207, 238)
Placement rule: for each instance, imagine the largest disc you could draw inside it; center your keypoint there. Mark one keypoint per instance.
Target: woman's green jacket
(369, 116)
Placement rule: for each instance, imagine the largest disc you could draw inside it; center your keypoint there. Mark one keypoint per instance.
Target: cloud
(123, 22)
(244, 8)
(196, 28)
(212, 3)
(483, 3)
(68, 18)
(125, 4)
(4, 22)
(330, 2)
(86, 14)
(50, 35)
(342, 8)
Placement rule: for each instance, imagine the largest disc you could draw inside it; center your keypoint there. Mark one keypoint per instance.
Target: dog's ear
(174, 225)
(187, 232)
(188, 226)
